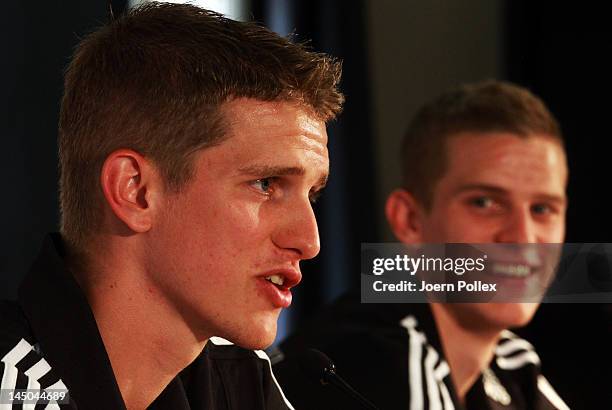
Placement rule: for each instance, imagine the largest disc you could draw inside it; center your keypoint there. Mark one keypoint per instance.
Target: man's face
(244, 217)
(498, 188)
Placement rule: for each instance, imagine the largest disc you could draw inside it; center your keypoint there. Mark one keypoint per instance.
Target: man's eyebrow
(481, 187)
(560, 200)
(493, 189)
(270, 171)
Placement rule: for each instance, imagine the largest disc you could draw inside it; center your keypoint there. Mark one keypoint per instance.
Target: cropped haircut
(155, 80)
(481, 108)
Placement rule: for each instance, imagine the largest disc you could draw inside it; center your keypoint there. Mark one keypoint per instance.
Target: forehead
(269, 134)
(250, 113)
(250, 119)
(507, 161)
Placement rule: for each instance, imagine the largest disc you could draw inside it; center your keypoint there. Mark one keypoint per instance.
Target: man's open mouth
(276, 279)
(512, 270)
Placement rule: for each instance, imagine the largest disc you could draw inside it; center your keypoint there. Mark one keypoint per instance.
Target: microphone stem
(332, 378)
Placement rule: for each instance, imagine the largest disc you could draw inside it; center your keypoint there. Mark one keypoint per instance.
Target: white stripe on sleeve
(17, 353)
(34, 374)
(520, 360)
(10, 360)
(433, 390)
(513, 345)
(58, 385)
(440, 373)
(262, 355)
(550, 393)
(415, 353)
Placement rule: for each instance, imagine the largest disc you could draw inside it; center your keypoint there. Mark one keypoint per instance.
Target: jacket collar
(65, 328)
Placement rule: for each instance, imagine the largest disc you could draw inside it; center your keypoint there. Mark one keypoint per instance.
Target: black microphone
(317, 365)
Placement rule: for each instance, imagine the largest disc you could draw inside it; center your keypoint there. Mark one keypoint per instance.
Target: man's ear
(128, 181)
(405, 216)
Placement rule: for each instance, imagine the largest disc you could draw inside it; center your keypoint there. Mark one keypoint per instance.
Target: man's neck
(468, 352)
(146, 340)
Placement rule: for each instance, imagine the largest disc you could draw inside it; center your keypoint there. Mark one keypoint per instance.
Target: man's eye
(264, 185)
(541, 209)
(482, 202)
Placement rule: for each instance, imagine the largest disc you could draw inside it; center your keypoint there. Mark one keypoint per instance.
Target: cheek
(212, 232)
(455, 223)
(238, 225)
(229, 233)
(225, 218)
(554, 233)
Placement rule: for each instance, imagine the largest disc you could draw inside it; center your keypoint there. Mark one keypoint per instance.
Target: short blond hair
(154, 80)
(485, 107)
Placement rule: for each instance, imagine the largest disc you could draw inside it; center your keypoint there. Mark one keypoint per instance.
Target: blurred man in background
(484, 163)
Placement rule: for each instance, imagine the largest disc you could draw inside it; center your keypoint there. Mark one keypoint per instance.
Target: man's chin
(494, 316)
(525, 312)
(257, 343)
(513, 315)
(256, 337)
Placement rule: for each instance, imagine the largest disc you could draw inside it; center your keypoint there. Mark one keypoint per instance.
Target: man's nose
(298, 231)
(518, 227)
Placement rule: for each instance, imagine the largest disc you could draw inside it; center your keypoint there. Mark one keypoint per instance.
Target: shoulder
(513, 352)
(13, 326)
(517, 364)
(374, 347)
(243, 377)
(22, 365)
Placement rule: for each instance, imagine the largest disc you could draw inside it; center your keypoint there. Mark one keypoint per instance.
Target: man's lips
(276, 285)
(515, 261)
(516, 270)
(283, 278)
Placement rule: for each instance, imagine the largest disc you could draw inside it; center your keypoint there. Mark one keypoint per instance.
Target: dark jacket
(392, 355)
(50, 334)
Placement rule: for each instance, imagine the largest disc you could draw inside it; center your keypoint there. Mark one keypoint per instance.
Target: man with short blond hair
(190, 149)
